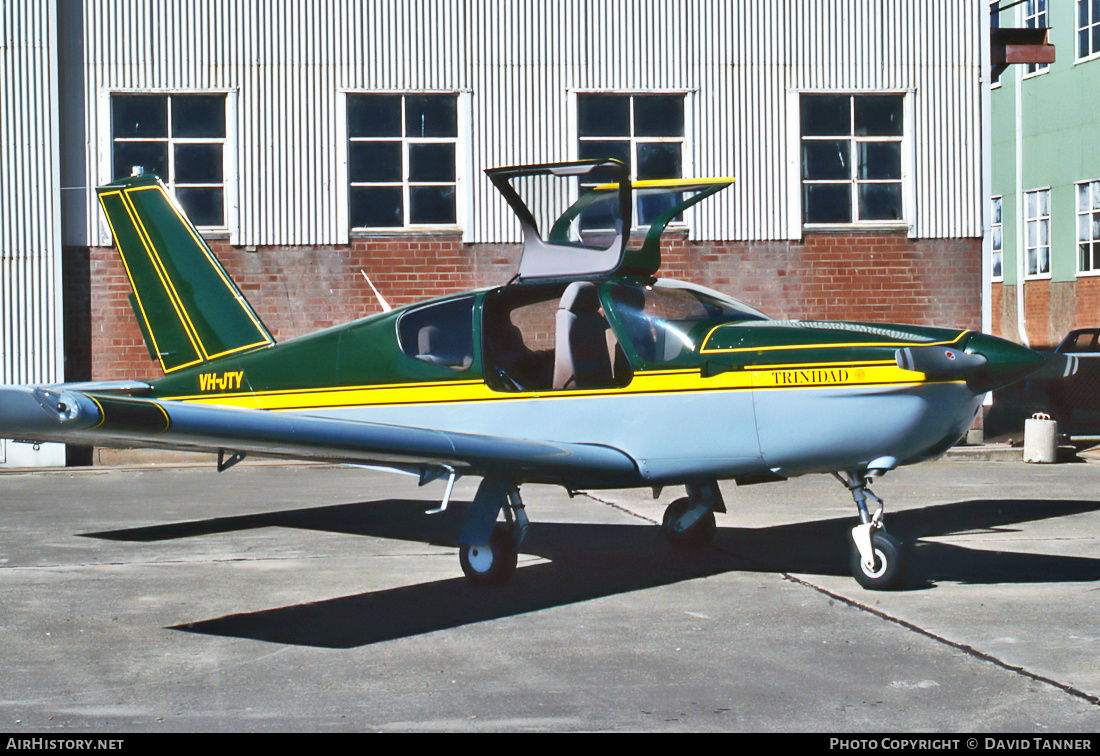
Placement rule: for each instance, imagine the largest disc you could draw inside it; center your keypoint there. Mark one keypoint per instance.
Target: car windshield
(667, 320)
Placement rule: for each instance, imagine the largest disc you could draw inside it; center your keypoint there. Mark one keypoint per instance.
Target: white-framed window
(1088, 29)
(1036, 16)
(1037, 233)
(1088, 228)
(403, 160)
(647, 131)
(995, 23)
(996, 232)
(853, 152)
(182, 137)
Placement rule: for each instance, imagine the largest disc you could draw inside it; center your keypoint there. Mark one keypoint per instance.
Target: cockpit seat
(581, 357)
(430, 348)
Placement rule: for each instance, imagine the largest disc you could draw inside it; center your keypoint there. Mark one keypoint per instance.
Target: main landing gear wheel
(494, 563)
(886, 572)
(697, 535)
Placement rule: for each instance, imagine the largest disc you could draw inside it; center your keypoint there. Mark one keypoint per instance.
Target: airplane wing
(64, 413)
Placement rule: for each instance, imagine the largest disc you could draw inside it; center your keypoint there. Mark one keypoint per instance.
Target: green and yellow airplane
(584, 371)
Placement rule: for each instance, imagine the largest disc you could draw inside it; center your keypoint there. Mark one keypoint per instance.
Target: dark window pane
(204, 206)
(374, 161)
(659, 115)
(604, 150)
(431, 116)
(826, 159)
(827, 203)
(1082, 43)
(139, 116)
(374, 206)
(658, 161)
(826, 115)
(602, 214)
(880, 160)
(650, 206)
(431, 162)
(880, 202)
(151, 156)
(198, 116)
(374, 115)
(603, 115)
(878, 115)
(198, 163)
(432, 204)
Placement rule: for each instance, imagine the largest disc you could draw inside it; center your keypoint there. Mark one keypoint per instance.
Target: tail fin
(189, 310)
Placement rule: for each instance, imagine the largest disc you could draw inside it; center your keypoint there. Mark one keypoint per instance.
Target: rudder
(188, 307)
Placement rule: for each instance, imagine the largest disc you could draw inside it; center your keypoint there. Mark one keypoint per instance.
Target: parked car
(1075, 401)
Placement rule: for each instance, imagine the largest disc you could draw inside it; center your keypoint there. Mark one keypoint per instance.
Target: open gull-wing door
(593, 236)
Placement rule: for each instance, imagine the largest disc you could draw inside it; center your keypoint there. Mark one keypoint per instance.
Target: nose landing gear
(876, 560)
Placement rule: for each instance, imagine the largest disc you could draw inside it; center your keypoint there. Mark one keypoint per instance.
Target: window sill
(1088, 273)
(404, 232)
(855, 227)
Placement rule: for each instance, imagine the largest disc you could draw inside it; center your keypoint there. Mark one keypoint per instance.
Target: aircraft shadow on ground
(590, 561)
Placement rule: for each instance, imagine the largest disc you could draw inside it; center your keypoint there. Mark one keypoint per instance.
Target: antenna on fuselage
(381, 300)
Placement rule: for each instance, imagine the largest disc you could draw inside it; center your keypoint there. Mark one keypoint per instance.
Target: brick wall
(1051, 309)
(296, 290)
(867, 277)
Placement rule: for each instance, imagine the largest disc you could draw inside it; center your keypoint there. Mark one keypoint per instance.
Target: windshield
(668, 320)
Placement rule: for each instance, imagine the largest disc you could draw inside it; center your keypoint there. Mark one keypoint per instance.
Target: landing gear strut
(876, 558)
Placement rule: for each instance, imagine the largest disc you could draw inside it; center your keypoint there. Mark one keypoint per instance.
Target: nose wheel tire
(492, 564)
(697, 536)
(886, 572)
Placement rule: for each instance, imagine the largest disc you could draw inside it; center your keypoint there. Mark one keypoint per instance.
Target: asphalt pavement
(311, 598)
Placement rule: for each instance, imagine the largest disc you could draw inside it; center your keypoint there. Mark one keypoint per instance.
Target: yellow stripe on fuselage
(781, 377)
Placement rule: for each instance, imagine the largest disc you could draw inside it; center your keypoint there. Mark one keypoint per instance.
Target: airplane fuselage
(740, 398)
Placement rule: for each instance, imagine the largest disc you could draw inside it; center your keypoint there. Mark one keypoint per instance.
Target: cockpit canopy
(668, 319)
(592, 237)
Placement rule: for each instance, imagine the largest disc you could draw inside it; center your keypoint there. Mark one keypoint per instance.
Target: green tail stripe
(187, 305)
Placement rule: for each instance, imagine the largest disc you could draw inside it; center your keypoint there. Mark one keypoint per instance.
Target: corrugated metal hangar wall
(30, 225)
(286, 64)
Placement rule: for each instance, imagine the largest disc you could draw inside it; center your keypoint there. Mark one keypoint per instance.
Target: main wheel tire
(886, 574)
(698, 536)
(492, 564)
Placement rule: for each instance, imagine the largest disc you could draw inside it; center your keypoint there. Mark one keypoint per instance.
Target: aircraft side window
(440, 334)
